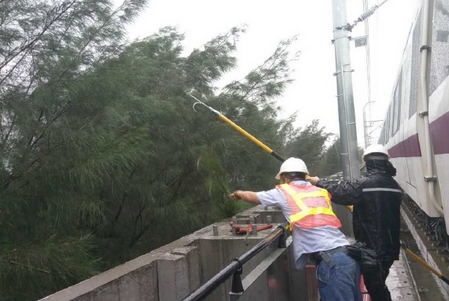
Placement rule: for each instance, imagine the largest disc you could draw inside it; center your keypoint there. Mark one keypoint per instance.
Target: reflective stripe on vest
(310, 206)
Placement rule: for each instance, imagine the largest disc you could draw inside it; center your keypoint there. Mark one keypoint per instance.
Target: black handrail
(235, 266)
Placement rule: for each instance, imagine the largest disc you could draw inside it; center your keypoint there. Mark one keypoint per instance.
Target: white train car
(416, 127)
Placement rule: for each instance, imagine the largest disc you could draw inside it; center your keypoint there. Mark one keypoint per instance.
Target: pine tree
(309, 145)
(46, 48)
(102, 158)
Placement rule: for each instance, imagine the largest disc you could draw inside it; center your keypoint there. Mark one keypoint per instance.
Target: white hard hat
(375, 149)
(292, 165)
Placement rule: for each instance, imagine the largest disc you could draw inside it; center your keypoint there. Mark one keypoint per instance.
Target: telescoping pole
(239, 129)
(425, 264)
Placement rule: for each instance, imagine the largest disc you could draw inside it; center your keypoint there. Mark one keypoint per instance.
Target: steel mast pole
(366, 134)
(348, 132)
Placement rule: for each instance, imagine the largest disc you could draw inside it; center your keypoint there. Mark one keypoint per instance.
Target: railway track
(431, 245)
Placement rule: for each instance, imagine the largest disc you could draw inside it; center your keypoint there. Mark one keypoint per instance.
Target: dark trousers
(375, 280)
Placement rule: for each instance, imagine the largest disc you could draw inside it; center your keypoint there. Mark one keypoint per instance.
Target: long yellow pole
(240, 130)
(421, 261)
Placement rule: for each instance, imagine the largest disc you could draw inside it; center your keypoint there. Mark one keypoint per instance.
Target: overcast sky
(268, 22)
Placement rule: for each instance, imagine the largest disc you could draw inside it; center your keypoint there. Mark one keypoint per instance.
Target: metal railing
(236, 266)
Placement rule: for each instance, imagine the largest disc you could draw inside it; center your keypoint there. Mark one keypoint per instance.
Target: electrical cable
(365, 15)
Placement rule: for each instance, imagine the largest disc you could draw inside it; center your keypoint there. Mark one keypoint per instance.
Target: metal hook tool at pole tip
(238, 128)
(202, 103)
(197, 102)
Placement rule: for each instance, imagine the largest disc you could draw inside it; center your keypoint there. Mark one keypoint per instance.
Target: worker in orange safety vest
(315, 230)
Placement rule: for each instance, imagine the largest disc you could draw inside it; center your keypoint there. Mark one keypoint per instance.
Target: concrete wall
(173, 271)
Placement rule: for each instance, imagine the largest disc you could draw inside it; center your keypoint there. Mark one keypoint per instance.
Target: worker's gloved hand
(234, 196)
(350, 208)
(313, 180)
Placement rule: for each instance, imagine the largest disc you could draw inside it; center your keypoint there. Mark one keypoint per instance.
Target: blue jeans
(341, 282)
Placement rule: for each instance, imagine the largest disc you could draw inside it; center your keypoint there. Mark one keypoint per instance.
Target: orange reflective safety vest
(310, 206)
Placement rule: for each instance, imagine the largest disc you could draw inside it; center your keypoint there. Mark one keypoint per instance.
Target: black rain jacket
(376, 213)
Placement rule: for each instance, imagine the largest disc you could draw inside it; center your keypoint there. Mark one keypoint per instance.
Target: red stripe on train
(439, 130)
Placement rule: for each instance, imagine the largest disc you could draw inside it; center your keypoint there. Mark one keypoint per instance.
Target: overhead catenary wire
(365, 15)
(367, 124)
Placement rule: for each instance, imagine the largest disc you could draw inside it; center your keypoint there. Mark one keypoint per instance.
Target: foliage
(48, 177)
(332, 159)
(309, 145)
(102, 159)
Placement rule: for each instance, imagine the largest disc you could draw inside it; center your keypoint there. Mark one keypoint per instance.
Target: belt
(325, 255)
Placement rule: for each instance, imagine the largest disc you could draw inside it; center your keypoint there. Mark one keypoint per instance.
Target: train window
(396, 112)
(398, 115)
(414, 72)
(393, 114)
(388, 124)
(440, 55)
(382, 136)
(391, 120)
(443, 36)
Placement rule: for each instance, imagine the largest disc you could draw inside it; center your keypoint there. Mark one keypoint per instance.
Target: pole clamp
(237, 285)
(430, 179)
(425, 47)
(423, 113)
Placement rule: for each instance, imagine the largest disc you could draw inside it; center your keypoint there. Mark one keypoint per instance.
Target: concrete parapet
(269, 281)
(134, 280)
(270, 215)
(218, 253)
(173, 271)
(172, 275)
(192, 256)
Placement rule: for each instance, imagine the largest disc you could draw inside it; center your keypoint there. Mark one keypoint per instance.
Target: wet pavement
(401, 282)
(408, 279)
